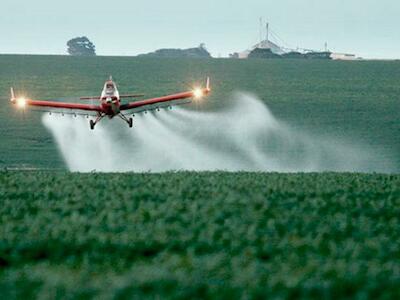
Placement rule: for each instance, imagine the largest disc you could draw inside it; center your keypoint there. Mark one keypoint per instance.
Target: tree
(81, 46)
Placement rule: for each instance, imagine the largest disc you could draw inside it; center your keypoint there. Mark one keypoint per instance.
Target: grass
(213, 235)
(357, 101)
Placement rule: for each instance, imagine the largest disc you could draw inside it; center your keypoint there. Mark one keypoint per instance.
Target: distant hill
(199, 52)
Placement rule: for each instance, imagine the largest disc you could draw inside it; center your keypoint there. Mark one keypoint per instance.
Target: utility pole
(267, 31)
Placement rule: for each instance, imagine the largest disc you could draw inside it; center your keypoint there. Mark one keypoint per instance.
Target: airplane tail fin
(208, 86)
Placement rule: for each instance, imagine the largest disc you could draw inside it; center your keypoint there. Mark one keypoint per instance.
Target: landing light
(198, 93)
(21, 102)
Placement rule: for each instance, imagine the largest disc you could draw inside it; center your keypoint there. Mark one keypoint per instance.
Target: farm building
(265, 44)
(268, 49)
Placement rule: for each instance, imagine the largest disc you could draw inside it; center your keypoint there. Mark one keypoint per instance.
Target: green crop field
(199, 235)
(202, 235)
(356, 101)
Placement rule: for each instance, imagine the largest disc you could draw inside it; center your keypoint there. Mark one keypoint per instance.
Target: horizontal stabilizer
(89, 98)
(121, 97)
(131, 96)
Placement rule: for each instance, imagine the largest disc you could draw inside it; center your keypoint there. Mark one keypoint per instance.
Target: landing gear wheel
(92, 124)
(130, 122)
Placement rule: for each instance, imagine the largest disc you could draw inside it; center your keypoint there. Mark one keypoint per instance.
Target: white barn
(266, 44)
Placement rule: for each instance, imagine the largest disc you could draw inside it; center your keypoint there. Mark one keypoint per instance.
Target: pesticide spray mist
(243, 137)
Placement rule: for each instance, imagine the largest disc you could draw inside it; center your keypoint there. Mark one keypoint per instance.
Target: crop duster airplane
(110, 105)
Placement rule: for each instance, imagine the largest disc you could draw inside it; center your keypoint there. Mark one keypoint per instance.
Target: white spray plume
(243, 137)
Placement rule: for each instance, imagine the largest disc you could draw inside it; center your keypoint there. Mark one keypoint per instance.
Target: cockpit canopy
(110, 86)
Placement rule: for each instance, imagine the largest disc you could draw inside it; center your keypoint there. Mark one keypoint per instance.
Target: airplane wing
(166, 101)
(50, 106)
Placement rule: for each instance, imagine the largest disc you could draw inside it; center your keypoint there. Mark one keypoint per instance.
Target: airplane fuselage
(110, 99)
(111, 106)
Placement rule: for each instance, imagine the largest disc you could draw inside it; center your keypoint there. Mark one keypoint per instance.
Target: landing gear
(100, 116)
(129, 121)
(98, 119)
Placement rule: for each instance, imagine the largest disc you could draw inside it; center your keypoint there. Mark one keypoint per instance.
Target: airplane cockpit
(109, 88)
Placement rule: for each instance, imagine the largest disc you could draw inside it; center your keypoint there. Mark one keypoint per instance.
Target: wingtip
(12, 94)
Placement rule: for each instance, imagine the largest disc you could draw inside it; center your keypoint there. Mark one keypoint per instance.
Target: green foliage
(81, 46)
(199, 52)
(186, 235)
(214, 235)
